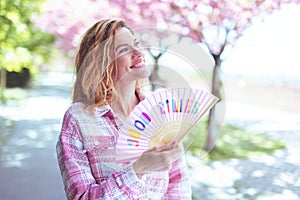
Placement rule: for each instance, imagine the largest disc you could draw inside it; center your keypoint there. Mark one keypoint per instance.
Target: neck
(125, 99)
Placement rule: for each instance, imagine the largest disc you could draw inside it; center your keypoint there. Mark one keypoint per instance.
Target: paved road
(28, 167)
(29, 129)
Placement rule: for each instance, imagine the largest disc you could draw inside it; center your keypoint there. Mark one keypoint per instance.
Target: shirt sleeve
(179, 183)
(76, 172)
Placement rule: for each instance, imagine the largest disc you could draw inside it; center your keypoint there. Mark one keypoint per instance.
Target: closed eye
(124, 47)
(137, 44)
(123, 50)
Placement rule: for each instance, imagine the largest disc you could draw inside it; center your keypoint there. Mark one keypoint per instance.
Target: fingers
(168, 154)
(158, 158)
(167, 147)
(173, 154)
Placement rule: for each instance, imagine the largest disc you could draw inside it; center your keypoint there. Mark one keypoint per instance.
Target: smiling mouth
(138, 65)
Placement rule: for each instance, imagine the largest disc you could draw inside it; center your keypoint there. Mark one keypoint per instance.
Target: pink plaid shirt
(87, 160)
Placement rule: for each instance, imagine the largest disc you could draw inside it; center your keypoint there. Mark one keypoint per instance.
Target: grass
(233, 142)
(13, 94)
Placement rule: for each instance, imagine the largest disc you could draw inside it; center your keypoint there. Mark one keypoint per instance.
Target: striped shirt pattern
(87, 160)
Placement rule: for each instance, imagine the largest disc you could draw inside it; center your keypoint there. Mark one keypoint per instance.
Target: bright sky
(269, 48)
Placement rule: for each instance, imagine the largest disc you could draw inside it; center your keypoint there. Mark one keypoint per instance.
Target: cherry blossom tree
(67, 20)
(218, 24)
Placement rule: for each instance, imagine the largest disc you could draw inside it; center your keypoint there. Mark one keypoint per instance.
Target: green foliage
(232, 143)
(22, 45)
(13, 94)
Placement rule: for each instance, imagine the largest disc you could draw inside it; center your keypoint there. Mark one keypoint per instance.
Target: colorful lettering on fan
(134, 133)
(167, 102)
(132, 142)
(181, 105)
(178, 107)
(139, 125)
(146, 118)
(187, 106)
(196, 107)
(160, 105)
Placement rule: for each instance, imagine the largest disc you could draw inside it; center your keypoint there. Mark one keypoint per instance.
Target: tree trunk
(213, 125)
(154, 78)
(3, 83)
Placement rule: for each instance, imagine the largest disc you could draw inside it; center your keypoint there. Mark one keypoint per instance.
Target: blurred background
(244, 52)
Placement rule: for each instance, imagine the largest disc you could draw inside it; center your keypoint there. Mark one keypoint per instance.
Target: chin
(146, 73)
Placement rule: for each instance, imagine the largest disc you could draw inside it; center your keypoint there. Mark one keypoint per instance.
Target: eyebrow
(125, 44)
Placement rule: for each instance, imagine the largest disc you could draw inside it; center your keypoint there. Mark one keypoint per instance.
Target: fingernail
(173, 143)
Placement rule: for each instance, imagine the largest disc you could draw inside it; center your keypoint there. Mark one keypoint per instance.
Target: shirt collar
(102, 110)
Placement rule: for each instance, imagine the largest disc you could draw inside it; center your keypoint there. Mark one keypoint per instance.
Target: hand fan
(162, 117)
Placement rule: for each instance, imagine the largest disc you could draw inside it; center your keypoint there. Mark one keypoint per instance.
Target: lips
(138, 64)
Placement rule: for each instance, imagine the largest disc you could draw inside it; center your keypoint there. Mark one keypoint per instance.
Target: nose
(137, 51)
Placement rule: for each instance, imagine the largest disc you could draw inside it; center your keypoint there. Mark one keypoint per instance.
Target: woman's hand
(157, 158)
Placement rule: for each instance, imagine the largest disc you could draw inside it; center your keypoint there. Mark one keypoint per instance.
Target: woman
(109, 64)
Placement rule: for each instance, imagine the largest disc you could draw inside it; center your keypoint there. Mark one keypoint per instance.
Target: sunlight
(267, 49)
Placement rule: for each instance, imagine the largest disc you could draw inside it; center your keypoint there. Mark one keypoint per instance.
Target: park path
(267, 177)
(29, 129)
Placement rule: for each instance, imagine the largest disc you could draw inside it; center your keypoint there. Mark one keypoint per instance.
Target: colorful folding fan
(162, 117)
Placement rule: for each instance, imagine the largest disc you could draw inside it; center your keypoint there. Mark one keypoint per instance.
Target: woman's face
(129, 58)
